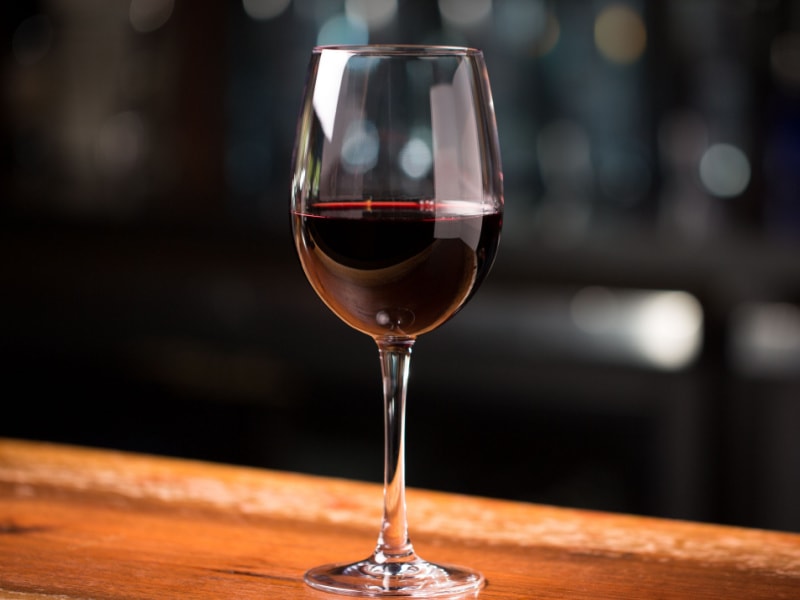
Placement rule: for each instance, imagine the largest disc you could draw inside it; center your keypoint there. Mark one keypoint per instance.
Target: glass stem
(394, 545)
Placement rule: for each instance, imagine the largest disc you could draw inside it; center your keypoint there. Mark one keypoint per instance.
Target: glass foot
(415, 578)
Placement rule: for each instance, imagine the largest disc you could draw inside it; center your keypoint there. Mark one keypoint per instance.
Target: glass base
(415, 578)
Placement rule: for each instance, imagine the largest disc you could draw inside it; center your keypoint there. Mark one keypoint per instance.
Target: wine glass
(397, 207)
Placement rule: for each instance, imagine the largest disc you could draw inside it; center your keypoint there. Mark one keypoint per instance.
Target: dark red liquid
(395, 268)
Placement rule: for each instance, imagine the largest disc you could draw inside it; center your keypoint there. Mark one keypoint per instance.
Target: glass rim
(399, 50)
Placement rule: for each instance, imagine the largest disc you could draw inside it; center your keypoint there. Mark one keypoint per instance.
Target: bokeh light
(360, 147)
(343, 29)
(416, 158)
(724, 170)
(620, 34)
(663, 329)
(667, 327)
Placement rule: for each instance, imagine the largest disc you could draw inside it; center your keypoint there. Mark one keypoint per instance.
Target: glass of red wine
(397, 206)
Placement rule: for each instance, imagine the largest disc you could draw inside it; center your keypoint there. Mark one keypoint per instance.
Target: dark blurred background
(636, 348)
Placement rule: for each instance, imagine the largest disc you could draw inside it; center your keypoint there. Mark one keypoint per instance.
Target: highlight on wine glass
(397, 207)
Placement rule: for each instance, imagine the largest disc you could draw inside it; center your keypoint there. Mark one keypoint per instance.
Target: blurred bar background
(636, 349)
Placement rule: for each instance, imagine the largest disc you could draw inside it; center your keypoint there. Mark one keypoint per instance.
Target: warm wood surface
(89, 524)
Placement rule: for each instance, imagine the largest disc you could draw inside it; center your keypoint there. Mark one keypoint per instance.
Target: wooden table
(94, 524)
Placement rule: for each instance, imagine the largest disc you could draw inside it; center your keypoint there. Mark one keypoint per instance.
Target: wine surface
(396, 268)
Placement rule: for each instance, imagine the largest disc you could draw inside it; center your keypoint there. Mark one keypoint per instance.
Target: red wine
(395, 268)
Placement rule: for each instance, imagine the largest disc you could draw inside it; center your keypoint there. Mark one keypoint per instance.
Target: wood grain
(79, 523)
